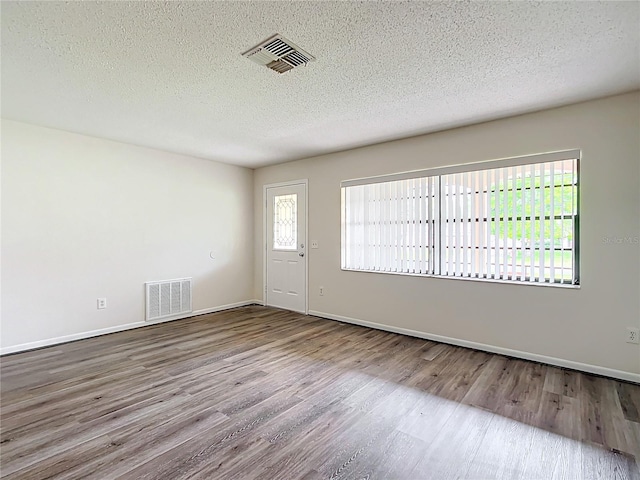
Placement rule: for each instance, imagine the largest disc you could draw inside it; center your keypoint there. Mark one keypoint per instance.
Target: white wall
(585, 325)
(84, 218)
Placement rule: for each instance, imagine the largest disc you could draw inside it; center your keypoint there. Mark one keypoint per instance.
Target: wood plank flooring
(262, 393)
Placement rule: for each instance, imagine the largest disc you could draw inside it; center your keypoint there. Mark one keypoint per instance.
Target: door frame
(265, 246)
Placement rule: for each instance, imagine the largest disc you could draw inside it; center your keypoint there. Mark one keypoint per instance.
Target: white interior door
(286, 262)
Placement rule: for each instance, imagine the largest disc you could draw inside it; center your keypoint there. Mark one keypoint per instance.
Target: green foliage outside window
(529, 198)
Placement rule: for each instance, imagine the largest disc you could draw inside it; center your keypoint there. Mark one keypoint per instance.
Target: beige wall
(84, 218)
(585, 325)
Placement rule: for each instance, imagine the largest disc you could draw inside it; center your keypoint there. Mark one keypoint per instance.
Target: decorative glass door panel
(285, 222)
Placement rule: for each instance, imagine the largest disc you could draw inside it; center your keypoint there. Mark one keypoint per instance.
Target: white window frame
(573, 154)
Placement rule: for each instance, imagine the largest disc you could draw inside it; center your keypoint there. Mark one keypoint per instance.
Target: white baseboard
(69, 338)
(584, 367)
(118, 328)
(204, 311)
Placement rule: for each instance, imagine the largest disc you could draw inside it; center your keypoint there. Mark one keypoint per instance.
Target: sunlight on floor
(464, 441)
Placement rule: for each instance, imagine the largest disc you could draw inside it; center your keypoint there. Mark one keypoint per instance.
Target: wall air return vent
(168, 299)
(278, 54)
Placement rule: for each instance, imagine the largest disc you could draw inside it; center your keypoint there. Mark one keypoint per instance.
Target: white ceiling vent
(278, 54)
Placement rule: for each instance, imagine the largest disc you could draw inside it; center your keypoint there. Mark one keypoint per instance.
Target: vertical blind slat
(574, 211)
(470, 224)
(387, 230)
(562, 226)
(377, 229)
(532, 214)
(404, 218)
(419, 204)
(505, 274)
(497, 262)
(451, 251)
(487, 214)
(463, 224)
(478, 213)
(365, 227)
(459, 221)
(513, 211)
(398, 222)
(423, 231)
(435, 253)
(523, 225)
(552, 190)
(542, 246)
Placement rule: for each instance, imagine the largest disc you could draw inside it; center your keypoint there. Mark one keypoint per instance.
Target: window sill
(469, 279)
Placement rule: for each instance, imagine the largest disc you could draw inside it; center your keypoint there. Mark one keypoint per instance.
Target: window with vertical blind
(507, 220)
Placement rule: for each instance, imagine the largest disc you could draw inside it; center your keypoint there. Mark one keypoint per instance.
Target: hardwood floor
(261, 393)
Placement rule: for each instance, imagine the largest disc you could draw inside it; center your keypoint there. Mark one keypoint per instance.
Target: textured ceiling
(170, 75)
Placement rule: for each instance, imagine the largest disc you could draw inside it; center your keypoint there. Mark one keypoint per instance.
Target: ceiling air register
(278, 54)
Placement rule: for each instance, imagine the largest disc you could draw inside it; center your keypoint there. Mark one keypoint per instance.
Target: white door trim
(304, 182)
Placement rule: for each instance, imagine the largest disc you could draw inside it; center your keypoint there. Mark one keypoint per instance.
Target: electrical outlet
(314, 244)
(321, 291)
(102, 303)
(633, 335)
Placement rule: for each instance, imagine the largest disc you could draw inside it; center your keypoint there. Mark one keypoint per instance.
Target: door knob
(301, 254)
